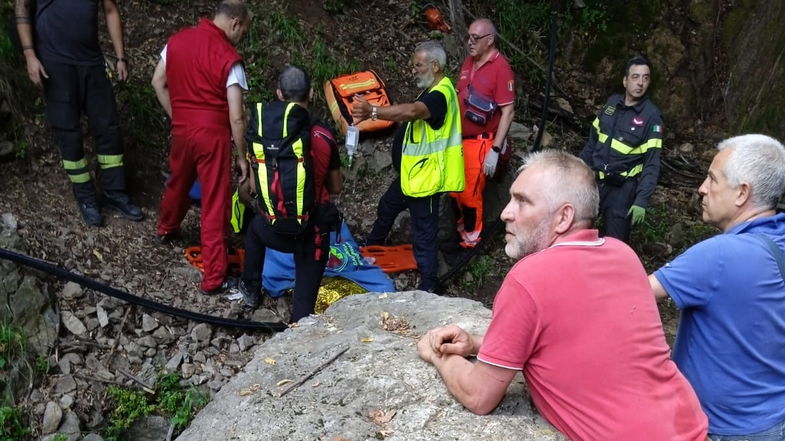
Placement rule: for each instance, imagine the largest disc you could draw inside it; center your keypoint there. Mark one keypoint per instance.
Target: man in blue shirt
(731, 339)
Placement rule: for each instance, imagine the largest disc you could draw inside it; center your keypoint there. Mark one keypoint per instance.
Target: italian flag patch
(656, 128)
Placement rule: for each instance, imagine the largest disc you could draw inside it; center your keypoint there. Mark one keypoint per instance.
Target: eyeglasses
(475, 38)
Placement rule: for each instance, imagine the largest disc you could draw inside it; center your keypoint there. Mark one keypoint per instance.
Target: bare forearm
(403, 112)
(477, 386)
(115, 27)
(508, 112)
(161, 86)
(24, 20)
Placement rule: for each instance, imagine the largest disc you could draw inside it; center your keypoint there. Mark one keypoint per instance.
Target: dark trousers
(71, 91)
(308, 266)
(425, 227)
(615, 202)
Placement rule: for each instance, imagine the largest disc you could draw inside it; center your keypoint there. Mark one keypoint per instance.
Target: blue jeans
(774, 433)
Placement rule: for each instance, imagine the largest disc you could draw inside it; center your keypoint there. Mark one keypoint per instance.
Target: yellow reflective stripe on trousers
(600, 136)
(74, 165)
(624, 149)
(79, 178)
(110, 161)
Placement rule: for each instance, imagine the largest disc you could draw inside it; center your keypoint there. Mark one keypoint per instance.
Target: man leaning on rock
(590, 344)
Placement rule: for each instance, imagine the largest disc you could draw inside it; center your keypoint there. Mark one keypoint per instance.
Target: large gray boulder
(377, 389)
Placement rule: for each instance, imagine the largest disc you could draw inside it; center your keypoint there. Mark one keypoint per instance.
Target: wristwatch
(496, 148)
(374, 113)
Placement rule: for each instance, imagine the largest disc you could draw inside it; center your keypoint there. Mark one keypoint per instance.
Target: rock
(70, 426)
(64, 385)
(564, 104)
(380, 160)
(187, 369)
(72, 290)
(174, 362)
(686, 148)
(149, 323)
(92, 437)
(202, 333)
(149, 428)
(245, 341)
(147, 342)
(380, 372)
(52, 417)
(72, 323)
(103, 317)
(66, 401)
(10, 224)
(7, 150)
(519, 131)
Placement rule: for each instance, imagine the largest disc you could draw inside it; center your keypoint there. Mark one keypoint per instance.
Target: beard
(521, 246)
(425, 80)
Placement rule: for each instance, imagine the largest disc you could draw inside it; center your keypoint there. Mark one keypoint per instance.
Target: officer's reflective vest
(432, 160)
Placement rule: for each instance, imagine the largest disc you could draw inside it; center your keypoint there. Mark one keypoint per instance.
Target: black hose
(64, 274)
(548, 77)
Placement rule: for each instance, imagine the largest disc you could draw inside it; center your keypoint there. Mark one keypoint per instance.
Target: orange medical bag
(339, 94)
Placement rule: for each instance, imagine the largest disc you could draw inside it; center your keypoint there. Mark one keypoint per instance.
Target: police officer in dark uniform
(624, 148)
(63, 55)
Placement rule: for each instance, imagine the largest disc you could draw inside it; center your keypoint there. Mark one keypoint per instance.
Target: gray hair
(294, 84)
(233, 9)
(435, 52)
(571, 181)
(487, 23)
(758, 160)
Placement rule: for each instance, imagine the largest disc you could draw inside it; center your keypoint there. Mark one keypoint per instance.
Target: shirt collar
(581, 238)
(776, 222)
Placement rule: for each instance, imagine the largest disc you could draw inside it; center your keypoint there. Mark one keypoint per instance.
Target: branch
(314, 372)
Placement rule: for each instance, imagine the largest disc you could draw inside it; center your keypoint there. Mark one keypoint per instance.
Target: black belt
(483, 135)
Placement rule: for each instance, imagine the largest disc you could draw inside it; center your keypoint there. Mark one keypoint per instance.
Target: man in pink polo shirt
(486, 94)
(576, 315)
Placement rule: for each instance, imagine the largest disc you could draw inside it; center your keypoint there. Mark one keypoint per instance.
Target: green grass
(170, 399)
(12, 345)
(12, 425)
(480, 269)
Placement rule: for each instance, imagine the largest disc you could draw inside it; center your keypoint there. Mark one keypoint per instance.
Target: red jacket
(198, 62)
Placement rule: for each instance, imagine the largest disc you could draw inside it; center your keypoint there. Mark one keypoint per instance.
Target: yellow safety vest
(432, 160)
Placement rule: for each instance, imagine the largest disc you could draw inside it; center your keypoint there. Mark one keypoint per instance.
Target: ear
(435, 66)
(624, 81)
(279, 94)
(743, 194)
(564, 219)
(310, 95)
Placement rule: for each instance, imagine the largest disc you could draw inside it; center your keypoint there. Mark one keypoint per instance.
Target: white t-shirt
(236, 75)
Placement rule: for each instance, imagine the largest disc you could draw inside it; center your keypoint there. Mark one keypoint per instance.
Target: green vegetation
(12, 345)
(170, 399)
(12, 426)
(479, 269)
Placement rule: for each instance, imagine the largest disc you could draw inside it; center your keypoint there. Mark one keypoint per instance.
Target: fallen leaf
(366, 339)
(251, 390)
(97, 254)
(282, 382)
(270, 361)
(382, 417)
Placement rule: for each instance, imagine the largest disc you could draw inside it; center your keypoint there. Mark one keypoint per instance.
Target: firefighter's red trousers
(202, 151)
(474, 151)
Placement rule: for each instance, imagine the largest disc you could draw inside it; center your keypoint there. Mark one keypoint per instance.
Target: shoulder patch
(610, 110)
(656, 128)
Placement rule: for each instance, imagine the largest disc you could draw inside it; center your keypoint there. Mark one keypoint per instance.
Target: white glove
(489, 165)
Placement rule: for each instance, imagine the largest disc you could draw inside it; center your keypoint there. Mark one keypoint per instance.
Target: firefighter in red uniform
(486, 93)
(199, 81)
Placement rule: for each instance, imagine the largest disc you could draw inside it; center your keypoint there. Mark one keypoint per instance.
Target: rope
(86, 282)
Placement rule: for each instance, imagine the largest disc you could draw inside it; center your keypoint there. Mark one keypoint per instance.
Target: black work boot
(91, 213)
(122, 203)
(250, 294)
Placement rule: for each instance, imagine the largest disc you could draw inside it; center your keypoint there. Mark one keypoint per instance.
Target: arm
(651, 166)
(659, 291)
(161, 87)
(588, 148)
(478, 386)
(508, 112)
(399, 112)
(35, 70)
(334, 181)
(234, 95)
(115, 27)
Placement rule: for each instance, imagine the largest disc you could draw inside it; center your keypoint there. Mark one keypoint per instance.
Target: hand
(361, 109)
(35, 70)
(122, 69)
(489, 165)
(447, 340)
(637, 214)
(242, 164)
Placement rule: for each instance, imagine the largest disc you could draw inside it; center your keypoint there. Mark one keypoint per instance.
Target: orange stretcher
(236, 258)
(391, 259)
